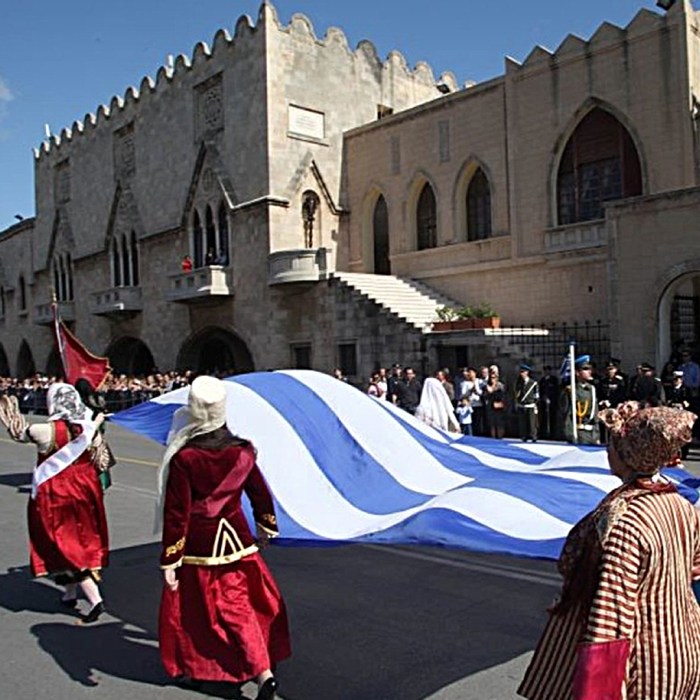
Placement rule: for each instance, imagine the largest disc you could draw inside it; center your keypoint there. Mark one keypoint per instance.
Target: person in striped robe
(627, 624)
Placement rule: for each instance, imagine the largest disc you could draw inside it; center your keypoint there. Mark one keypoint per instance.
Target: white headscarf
(63, 402)
(435, 407)
(205, 411)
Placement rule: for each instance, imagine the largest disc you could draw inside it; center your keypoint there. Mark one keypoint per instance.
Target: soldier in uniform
(648, 389)
(549, 396)
(679, 395)
(586, 408)
(612, 390)
(526, 398)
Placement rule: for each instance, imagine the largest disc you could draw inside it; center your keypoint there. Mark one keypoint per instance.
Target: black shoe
(268, 690)
(96, 611)
(69, 603)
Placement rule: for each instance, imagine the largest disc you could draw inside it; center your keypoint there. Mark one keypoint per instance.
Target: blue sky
(59, 61)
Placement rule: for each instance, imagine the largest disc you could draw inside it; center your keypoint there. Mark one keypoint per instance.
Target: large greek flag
(345, 467)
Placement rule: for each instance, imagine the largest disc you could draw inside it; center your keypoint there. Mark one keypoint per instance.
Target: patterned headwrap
(63, 403)
(647, 439)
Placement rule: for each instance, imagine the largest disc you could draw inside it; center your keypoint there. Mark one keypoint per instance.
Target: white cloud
(5, 92)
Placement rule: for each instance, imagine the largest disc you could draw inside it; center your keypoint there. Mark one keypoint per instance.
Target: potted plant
(464, 319)
(446, 316)
(486, 317)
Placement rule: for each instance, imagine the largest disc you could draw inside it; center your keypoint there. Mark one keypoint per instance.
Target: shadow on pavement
(21, 482)
(366, 624)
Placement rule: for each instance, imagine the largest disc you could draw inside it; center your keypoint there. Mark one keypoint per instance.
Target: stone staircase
(416, 305)
(411, 301)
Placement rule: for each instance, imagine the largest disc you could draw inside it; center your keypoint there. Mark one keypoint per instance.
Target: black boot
(93, 614)
(268, 690)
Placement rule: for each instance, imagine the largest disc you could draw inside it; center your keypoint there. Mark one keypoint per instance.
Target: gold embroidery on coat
(228, 548)
(175, 548)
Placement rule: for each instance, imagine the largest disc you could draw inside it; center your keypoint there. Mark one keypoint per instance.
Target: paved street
(368, 622)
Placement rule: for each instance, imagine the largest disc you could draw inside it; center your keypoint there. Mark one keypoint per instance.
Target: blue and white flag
(345, 467)
(565, 369)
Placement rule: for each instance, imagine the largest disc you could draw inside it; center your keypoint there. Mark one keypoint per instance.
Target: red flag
(78, 362)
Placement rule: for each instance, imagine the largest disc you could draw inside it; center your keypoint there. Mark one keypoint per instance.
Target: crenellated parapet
(166, 76)
(299, 28)
(607, 35)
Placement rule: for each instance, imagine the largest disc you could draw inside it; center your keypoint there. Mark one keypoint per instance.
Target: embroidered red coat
(226, 621)
(203, 519)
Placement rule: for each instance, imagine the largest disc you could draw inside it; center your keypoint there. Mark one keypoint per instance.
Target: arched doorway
(25, 361)
(380, 230)
(215, 350)
(54, 366)
(679, 315)
(4, 364)
(130, 356)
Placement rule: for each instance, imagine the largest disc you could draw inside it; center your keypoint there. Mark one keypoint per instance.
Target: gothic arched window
(126, 263)
(116, 264)
(22, 294)
(426, 219)
(223, 252)
(599, 164)
(380, 230)
(478, 207)
(211, 237)
(69, 278)
(197, 240)
(134, 260)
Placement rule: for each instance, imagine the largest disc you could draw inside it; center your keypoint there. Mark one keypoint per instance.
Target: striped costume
(628, 568)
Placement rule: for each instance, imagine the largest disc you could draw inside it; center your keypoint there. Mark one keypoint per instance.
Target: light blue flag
(346, 467)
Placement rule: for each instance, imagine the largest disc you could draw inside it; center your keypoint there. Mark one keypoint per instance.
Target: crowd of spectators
(488, 404)
(119, 391)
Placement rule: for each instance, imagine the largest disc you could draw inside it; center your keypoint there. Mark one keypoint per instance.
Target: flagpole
(57, 332)
(572, 384)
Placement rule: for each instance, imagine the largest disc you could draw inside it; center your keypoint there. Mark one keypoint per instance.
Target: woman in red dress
(68, 538)
(222, 617)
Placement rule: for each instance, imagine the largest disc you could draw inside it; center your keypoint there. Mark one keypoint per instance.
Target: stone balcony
(43, 313)
(294, 266)
(201, 284)
(588, 234)
(119, 302)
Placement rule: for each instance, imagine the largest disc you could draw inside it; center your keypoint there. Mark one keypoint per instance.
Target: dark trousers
(527, 423)
(478, 420)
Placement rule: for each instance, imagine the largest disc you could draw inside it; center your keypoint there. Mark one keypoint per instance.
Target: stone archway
(4, 364)
(25, 361)
(128, 355)
(678, 310)
(215, 350)
(54, 366)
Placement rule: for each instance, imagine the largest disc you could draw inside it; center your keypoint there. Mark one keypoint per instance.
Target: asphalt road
(368, 622)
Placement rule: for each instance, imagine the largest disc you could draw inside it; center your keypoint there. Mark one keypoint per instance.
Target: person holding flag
(68, 537)
(579, 404)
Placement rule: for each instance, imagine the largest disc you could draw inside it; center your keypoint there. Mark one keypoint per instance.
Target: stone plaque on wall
(210, 106)
(307, 122)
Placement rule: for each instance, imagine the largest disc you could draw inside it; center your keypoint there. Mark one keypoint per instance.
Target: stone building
(332, 201)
